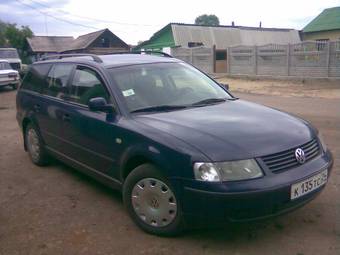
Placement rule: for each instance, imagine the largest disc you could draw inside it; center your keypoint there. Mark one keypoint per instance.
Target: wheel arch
(133, 159)
(25, 122)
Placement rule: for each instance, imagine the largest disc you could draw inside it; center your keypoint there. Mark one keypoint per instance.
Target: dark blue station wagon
(179, 146)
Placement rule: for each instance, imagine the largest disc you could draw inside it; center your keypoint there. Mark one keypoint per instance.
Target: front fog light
(206, 172)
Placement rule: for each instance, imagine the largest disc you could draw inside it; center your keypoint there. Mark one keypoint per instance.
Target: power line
(93, 19)
(54, 17)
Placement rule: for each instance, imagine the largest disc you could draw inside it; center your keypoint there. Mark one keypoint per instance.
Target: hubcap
(154, 202)
(33, 144)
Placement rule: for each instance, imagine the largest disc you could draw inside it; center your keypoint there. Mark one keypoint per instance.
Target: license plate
(306, 186)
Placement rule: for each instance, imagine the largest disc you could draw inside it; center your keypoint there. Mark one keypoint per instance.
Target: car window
(35, 79)
(86, 84)
(171, 84)
(57, 79)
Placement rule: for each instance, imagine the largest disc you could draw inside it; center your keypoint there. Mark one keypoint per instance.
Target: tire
(35, 146)
(155, 209)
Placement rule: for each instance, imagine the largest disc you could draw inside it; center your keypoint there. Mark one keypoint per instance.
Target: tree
(12, 36)
(3, 40)
(207, 20)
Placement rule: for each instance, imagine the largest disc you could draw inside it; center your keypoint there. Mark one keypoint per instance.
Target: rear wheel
(35, 146)
(152, 202)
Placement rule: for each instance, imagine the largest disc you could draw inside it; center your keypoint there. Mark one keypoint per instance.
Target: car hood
(232, 130)
(7, 71)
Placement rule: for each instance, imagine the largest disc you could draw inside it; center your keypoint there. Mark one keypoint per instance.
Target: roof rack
(150, 52)
(60, 56)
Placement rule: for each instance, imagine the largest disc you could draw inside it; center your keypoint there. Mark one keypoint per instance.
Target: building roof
(49, 43)
(83, 41)
(328, 19)
(65, 43)
(221, 36)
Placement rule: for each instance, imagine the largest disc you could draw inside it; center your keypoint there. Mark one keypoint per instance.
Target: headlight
(227, 171)
(322, 141)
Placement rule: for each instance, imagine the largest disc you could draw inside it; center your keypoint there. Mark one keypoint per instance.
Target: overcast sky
(135, 20)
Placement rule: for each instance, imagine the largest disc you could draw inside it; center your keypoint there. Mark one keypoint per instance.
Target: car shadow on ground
(6, 89)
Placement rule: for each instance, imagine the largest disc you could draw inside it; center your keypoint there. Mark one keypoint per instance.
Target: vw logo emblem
(300, 155)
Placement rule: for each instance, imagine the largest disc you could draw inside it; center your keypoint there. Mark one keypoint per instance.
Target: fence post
(328, 57)
(214, 58)
(191, 56)
(255, 59)
(288, 58)
(228, 60)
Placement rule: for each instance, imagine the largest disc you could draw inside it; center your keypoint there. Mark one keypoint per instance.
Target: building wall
(329, 35)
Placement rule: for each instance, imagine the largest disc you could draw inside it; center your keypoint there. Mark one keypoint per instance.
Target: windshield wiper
(209, 101)
(160, 108)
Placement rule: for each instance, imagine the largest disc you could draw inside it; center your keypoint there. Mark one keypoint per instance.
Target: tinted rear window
(57, 79)
(35, 79)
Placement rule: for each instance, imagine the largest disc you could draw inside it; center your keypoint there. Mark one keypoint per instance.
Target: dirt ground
(286, 88)
(56, 210)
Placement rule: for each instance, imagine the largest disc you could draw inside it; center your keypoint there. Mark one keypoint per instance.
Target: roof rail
(60, 56)
(150, 52)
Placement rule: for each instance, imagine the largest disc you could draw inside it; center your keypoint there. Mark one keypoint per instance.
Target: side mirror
(224, 86)
(99, 104)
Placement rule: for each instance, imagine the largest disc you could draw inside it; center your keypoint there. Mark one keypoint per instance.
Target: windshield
(165, 84)
(8, 53)
(5, 66)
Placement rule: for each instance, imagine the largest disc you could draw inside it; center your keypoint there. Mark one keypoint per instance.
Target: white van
(12, 56)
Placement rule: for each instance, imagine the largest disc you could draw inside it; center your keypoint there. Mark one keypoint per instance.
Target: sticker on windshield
(128, 92)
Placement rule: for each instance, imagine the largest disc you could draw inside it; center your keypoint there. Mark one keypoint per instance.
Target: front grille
(15, 66)
(286, 159)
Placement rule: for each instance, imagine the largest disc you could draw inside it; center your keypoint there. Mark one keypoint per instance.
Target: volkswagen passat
(179, 146)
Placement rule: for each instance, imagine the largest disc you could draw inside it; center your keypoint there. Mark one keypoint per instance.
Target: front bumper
(252, 199)
(9, 82)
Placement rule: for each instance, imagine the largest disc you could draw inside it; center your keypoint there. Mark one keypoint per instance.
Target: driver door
(90, 135)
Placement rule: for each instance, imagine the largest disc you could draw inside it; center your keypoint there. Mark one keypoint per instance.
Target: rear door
(51, 105)
(29, 95)
(91, 135)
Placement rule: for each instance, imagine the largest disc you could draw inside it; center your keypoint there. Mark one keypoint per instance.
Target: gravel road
(56, 210)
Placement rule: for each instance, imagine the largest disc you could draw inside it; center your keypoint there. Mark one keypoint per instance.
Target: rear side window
(57, 79)
(35, 79)
(86, 84)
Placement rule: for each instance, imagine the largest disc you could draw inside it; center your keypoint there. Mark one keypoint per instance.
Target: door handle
(36, 107)
(66, 117)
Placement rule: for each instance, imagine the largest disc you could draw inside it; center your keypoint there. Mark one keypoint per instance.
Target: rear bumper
(233, 202)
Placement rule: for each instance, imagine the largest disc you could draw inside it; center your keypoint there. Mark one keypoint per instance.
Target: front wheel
(152, 202)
